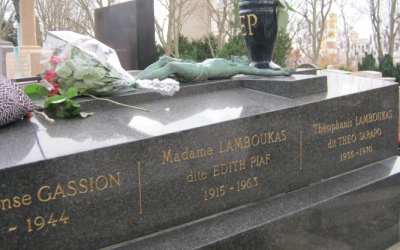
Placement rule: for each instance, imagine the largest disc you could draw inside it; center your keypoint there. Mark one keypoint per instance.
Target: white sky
(362, 26)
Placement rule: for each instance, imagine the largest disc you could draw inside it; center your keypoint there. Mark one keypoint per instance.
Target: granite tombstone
(220, 164)
(128, 28)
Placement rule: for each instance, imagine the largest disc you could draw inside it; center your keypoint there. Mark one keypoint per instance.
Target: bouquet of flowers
(79, 65)
(82, 62)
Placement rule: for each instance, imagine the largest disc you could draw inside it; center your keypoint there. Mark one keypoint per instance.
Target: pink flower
(55, 59)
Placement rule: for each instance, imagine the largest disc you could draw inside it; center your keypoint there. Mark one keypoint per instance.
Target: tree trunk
(393, 27)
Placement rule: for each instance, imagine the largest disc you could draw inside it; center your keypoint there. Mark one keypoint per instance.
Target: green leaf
(67, 109)
(70, 82)
(88, 80)
(108, 89)
(108, 79)
(85, 114)
(64, 71)
(61, 112)
(54, 100)
(72, 92)
(80, 85)
(282, 17)
(71, 105)
(74, 64)
(99, 84)
(74, 103)
(98, 73)
(80, 72)
(282, 3)
(113, 73)
(36, 92)
(62, 91)
(62, 80)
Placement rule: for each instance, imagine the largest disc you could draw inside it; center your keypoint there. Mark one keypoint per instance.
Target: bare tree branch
(168, 33)
(72, 15)
(315, 15)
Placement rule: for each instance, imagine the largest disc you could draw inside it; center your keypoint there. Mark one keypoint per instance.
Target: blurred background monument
(128, 28)
(25, 60)
(5, 48)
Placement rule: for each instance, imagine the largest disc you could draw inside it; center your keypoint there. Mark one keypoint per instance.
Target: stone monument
(128, 28)
(25, 60)
(5, 47)
(248, 162)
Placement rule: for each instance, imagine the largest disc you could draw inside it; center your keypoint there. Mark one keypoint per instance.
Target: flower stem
(52, 121)
(120, 104)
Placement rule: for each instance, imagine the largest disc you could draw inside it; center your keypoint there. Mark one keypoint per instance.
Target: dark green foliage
(11, 35)
(235, 23)
(282, 49)
(199, 50)
(368, 63)
(397, 72)
(386, 66)
(234, 46)
(196, 50)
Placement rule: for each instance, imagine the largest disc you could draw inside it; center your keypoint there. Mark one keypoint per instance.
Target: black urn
(259, 29)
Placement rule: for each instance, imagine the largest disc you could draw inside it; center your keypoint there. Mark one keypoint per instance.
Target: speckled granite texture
(123, 174)
(358, 210)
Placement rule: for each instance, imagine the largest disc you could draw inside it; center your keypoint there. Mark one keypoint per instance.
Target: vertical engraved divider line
(140, 190)
(301, 150)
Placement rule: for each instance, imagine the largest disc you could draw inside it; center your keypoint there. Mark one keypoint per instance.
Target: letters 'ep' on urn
(259, 29)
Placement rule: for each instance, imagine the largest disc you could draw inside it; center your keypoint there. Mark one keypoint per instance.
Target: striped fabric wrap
(14, 103)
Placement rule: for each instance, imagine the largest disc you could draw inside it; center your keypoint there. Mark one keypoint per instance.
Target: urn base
(265, 65)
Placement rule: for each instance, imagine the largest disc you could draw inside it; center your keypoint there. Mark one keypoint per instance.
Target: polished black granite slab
(129, 29)
(357, 210)
(123, 174)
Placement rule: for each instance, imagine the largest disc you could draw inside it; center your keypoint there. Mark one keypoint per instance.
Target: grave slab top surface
(196, 105)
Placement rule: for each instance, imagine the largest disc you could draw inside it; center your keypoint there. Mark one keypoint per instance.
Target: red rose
(54, 91)
(50, 75)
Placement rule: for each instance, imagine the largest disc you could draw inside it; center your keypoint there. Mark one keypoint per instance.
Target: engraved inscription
(331, 128)
(50, 192)
(186, 154)
(225, 171)
(351, 139)
(352, 154)
(374, 117)
(16, 202)
(82, 186)
(39, 222)
(252, 141)
(239, 186)
(252, 21)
